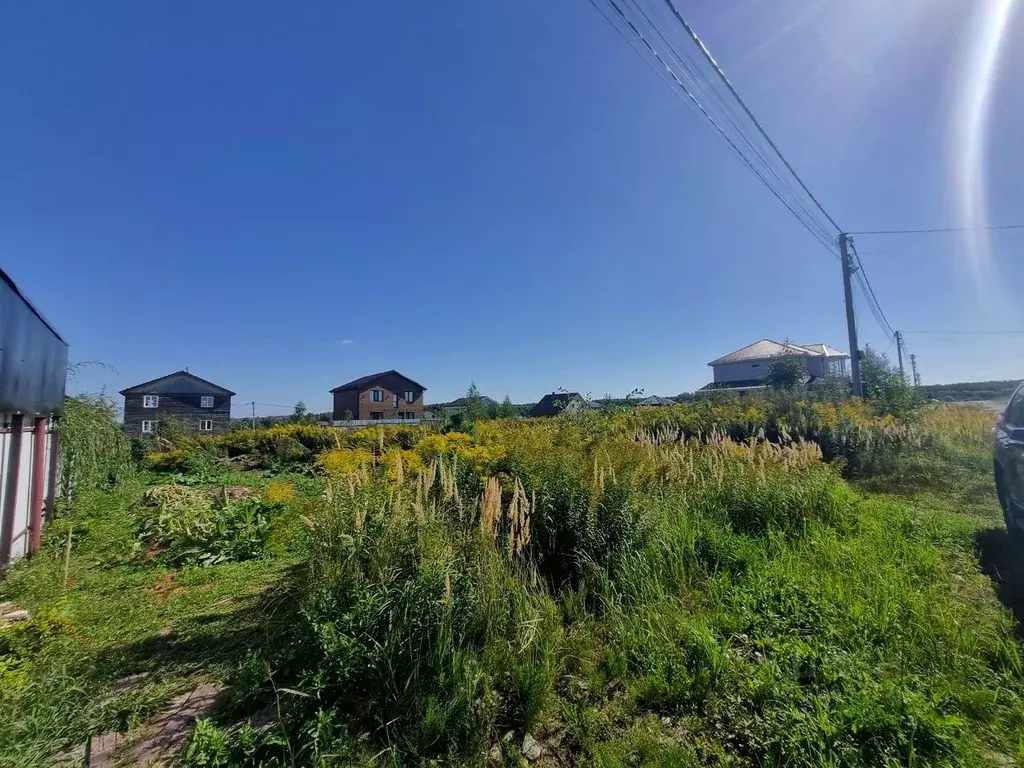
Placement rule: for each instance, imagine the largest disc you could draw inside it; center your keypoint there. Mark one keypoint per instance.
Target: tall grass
(631, 598)
(93, 449)
(693, 586)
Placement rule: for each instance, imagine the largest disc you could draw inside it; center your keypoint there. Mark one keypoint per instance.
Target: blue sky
(285, 196)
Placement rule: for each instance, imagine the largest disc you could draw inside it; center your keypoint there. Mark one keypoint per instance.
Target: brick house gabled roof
(368, 381)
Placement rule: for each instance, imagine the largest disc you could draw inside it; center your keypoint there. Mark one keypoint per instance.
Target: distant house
(460, 404)
(654, 401)
(200, 405)
(387, 395)
(563, 402)
(746, 368)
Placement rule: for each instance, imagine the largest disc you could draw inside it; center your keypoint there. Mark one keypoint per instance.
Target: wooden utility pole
(851, 321)
(899, 353)
(253, 404)
(913, 367)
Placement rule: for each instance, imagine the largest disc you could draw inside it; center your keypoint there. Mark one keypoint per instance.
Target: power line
(873, 303)
(806, 220)
(939, 230)
(964, 333)
(732, 90)
(735, 120)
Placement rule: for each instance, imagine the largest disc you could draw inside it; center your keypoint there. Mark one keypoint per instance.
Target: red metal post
(38, 484)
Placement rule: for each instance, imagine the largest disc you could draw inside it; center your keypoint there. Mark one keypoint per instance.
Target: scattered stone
(666, 721)
(532, 749)
(7, 608)
(167, 732)
(165, 632)
(20, 615)
(507, 738)
(103, 749)
(495, 753)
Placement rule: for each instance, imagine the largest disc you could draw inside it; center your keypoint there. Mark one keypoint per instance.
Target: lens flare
(971, 130)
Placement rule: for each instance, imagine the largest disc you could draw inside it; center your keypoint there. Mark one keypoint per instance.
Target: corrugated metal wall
(33, 356)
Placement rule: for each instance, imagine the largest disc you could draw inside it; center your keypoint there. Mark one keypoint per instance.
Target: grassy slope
(774, 648)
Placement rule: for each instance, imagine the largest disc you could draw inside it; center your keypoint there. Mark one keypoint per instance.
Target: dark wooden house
(563, 402)
(201, 406)
(385, 395)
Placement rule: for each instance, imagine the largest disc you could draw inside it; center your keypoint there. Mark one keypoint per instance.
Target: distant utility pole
(899, 353)
(913, 367)
(253, 404)
(851, 321)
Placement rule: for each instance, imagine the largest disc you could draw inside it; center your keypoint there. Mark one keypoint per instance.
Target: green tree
(300, 411)
(170, 432)
(506, 410)
(883, 384)
(787, 372)
(475, 409)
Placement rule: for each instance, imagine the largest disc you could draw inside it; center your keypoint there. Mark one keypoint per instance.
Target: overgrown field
(722, 584)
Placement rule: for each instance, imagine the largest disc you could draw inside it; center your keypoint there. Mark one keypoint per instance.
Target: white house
(746, 368)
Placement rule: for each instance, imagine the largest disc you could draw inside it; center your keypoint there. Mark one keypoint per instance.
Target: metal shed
(33, 374)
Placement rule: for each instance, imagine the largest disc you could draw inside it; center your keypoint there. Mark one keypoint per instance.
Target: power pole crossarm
(851, 320)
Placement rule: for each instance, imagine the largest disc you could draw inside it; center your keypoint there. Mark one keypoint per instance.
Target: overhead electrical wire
(725, 122)
(937, 230)
(869, 293)
(733, 121)
(691, 70)
(963, 333)
(732, 90)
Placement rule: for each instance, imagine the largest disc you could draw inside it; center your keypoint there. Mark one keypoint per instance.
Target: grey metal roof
(655, 400)
(825, 350)
(555, 403)
(373, 378)
(765, 349)
(147, 386)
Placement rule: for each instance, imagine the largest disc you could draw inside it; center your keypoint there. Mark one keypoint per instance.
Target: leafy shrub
(185, 527)
(94, 449)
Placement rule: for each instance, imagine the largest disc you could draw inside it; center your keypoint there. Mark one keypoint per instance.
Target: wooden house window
(150, 401)
(206, 425)
(394, 401)
(206, 401)
(378, 396)
(410, 396)
(148, 427)
(406, 415)
(376, 415)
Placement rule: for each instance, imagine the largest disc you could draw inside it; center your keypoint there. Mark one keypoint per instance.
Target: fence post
(38, 484)
(10, 489)
(54, 474)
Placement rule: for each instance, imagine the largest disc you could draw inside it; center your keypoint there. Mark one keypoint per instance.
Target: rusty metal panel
(33, 356)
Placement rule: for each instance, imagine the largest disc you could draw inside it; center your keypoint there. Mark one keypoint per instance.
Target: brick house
(385, 395)
(200, 405)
